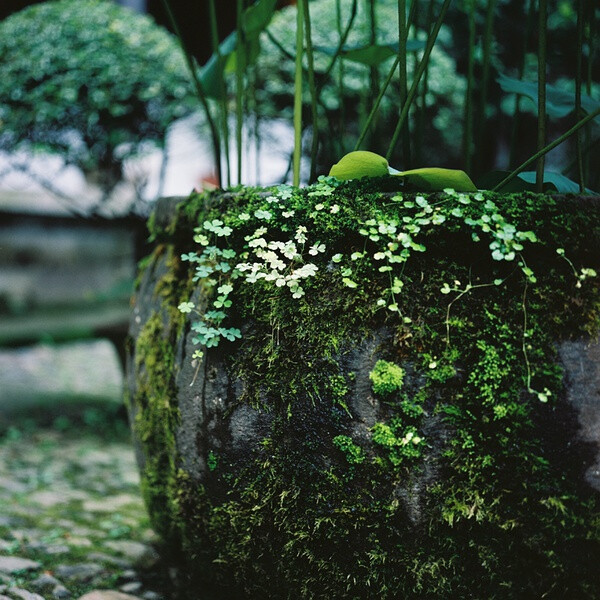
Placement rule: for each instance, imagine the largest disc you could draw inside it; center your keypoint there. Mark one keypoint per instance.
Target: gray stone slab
(581, 363)
(14, 564)
(72, 372)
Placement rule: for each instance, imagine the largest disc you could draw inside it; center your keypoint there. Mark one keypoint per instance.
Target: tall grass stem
(402, 78)
(375, 106)
(239, 86)
(341, 95)
(485, 78)
(313, 92)
(214, 132)
(214, 30)
(541, 127)
(578, 84)
(298, 93)
(424, 89)
(516, 120)
(417, 76)
(547, 149)
(468, 127)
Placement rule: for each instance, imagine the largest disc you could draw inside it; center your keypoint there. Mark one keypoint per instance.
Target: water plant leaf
(373, 54)
(559, 102)
(525, 182)
(255, 20)
(213, 71)
(360, 163)
(258, 16)
(435, 179)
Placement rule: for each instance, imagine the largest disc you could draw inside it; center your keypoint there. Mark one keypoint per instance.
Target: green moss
(155, 400)
(471, 350)
(386, 378)
(354, 454)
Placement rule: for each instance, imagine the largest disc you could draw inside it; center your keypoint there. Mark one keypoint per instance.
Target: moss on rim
(473, 333)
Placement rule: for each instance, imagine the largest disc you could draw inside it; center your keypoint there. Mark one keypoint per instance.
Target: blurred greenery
(91, 81)
(342, 111)
(504, 67)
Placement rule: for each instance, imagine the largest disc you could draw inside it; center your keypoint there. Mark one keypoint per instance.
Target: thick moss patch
(468, 483)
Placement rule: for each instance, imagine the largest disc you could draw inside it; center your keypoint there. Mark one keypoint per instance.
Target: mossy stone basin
(341, 392)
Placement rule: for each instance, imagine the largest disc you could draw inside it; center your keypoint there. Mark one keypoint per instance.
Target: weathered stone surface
(139, 554)
(13, 564)
(581, 360)
(25, 595)
(35, 376)
(60, 592)
(107, 595)
(222, 467)
(45, 582)
(131, 588)
(79, 572)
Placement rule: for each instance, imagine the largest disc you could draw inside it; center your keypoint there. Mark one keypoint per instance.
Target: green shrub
(90, 81)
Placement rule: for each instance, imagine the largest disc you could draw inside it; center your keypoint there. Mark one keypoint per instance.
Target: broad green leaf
(559, 103)
(559, 182)
(435, 179)
(371, 55)
(360, 163)
(258, 16)
(525, 182)
(212, 72)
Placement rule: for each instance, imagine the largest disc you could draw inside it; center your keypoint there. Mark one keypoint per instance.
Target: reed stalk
(313, 93)
(541, 129)
(417, 77)
(546, 149)
(578, 83)
(375, 106)
(342, 105)
(222, 87)
(343, 38)
(402, 78)
(382, 91)
(424, 89)
(239, 86)
(374, 83)
(214, 132)
(589, 32)
(517, 114)
(298, 93)
(485, 77)
(468, 118)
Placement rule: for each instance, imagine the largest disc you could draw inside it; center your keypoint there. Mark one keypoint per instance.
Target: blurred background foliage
(95, 82)
(504, 59)
(91, 81)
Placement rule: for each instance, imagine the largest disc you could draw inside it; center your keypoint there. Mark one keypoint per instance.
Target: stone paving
(72, 522)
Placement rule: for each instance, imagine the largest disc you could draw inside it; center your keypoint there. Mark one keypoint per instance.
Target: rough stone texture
(581, 360)
(45, 582)
(210, 419)
(79, 572)
(139, 554)
(61, 535)
(25, 595)
(107, 595)
(13, 564)
(37, 376)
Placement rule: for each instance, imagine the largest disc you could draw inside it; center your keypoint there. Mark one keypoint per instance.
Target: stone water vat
(415, 415)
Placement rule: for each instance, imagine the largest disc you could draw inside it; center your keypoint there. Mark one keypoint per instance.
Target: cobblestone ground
(72, 522)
